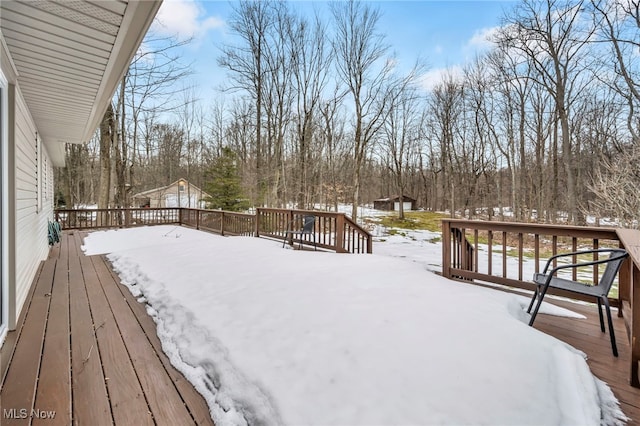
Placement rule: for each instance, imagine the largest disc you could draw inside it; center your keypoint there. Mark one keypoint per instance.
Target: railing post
(198, 213)
(222, 222)
(127, 221)
(180, 215)
(257, 223)
(446, 249)
(635, 327)
(339, 242)
(624, 283)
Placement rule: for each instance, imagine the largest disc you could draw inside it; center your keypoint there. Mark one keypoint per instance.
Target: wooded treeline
(317, 111)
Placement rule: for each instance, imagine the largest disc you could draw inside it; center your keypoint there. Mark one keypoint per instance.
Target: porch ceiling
(70, 56)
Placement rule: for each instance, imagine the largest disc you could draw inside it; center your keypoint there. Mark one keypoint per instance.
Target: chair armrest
(577, 253)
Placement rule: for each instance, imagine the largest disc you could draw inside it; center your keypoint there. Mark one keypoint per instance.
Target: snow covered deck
(87, 353)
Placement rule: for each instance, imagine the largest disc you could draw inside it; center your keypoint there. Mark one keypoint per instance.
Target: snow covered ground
(273, 336)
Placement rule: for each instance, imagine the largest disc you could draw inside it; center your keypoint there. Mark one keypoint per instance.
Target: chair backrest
(308, 224)
(616, 258)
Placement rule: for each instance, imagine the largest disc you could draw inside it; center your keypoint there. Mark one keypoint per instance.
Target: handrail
(219, 221)
(334, 231)
(116, 218)
(498, 238)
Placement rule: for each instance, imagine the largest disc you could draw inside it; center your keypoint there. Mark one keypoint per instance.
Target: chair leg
(537, 308)
(600, 315)
(533, 299)
(611, 332)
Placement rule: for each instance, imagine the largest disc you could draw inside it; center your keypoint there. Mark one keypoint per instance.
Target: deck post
(635, 327)
(624, 284)
(222, 223)
(339, 242)
(446, 248)
(256, 225)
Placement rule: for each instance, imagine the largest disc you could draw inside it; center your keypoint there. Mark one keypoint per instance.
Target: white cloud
(184, 19)
(430, 79)
(438, 49)
(482, 39)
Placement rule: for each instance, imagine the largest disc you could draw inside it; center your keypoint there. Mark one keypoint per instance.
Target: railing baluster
(504, 254)
(536, 254)
(574, 259)
(490, 250)
(520, 255)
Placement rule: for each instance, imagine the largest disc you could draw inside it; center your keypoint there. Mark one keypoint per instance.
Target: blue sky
(444, 34)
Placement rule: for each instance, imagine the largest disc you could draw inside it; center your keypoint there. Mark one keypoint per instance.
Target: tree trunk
(106, 140)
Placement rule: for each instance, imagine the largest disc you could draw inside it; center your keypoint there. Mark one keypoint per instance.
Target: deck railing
(219, 221)
(333, 231)
(116, 218)
(499, 252)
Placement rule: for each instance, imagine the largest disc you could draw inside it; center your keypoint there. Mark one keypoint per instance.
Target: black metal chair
(599, 291)
(308, 228)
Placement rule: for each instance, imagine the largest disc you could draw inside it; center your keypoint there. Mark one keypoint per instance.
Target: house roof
(164, 188)
(69, 57)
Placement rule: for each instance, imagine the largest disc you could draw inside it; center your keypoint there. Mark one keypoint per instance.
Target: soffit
(70, 56)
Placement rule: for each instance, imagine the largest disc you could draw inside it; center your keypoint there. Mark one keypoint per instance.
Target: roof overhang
(70, 57)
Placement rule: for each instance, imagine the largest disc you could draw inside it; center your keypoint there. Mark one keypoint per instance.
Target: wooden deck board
(128, 402)
(194, 401)
(81, 350)
(53, 394)
(585, 335)
(164, 401)
(18, 390)
(88, 378)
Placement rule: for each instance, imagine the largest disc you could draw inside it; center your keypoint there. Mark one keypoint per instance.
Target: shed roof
(396, 198)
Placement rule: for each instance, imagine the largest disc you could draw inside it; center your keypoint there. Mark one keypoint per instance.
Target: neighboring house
(180, 193)
(393, 203)
(60, 63)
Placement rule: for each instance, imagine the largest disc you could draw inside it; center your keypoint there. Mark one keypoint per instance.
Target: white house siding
(33, 203)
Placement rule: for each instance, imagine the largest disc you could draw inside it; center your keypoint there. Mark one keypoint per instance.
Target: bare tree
(554, 37)
(107, 132)
(360, 61)
(619, 24)
(617, 188)
(400, 136)
(309, 63)
(251, 22)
